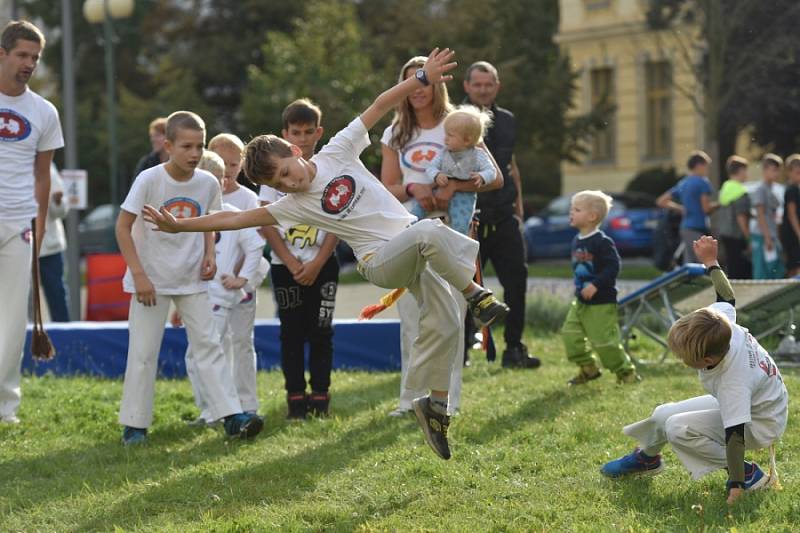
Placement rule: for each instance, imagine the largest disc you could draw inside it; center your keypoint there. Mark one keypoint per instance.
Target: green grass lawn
(526, 453)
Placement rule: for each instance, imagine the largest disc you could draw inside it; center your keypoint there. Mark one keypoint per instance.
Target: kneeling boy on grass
(335, 192)
(592, 320)
(746, 407)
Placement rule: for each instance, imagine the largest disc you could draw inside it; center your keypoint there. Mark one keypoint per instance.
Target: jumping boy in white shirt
(335, 192)
(746, 406)
(164, 268)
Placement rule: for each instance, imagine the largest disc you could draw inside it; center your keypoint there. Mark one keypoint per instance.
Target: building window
(603, 141)
(658, 87)
(592, 5)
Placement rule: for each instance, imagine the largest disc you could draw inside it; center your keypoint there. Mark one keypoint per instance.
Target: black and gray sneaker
(518, 357)
(434, 426)
(486, 309)
(243, 425)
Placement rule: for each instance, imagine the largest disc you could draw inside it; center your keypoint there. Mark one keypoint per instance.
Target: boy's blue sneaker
(636, 463)
(243, 425)
(754, 477)
(133, 436)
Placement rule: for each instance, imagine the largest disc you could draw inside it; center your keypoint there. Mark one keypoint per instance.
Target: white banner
(76, 188)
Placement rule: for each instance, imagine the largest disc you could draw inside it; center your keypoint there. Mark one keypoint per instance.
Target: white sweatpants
(146, 330)
(694, 429)
(15, 280)
(220, 331)
(409, 328)
(429, 259)
(234, 329)
(240, 327)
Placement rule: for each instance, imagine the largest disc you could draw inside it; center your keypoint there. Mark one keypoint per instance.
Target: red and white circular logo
(338, 194)
(13, 126)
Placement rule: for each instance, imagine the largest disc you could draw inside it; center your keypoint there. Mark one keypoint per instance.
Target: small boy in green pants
(592, 318)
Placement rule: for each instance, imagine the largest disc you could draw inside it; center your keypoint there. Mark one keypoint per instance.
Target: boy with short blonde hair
(239, 267)
(746, 406)
(163, 268)
(592, 320)
(767, 263)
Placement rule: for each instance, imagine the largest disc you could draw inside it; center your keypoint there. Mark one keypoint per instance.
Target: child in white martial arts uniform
(240, 250)
(243, 315)
(164, 268)
(746, 407)
(335, 192)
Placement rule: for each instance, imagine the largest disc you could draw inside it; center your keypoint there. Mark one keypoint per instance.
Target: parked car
(96, 230)
(630, 223)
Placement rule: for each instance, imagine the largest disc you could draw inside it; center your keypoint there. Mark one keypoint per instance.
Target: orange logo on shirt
(183, 207)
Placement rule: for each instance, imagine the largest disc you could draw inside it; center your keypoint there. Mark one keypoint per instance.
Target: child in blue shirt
(592, 318)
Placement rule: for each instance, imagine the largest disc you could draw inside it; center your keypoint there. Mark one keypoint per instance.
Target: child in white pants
(746, 407)
(239, 267)
(164, 268)
(335, 192)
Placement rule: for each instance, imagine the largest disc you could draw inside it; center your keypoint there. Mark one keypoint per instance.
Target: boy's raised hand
(706, 249)
(438, 64)
(162, 219)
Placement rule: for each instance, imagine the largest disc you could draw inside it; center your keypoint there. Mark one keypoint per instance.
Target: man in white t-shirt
(334, 191)
(30, 132)
(746, 406)
(165, 268)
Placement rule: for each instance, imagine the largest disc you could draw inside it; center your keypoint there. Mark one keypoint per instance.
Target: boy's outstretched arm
(219, 221)
(435, 69)
(706, 249)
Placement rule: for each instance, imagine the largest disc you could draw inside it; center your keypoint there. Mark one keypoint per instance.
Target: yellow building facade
(645, 75)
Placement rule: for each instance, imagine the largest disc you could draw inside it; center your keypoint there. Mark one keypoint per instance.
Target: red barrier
(105, 298)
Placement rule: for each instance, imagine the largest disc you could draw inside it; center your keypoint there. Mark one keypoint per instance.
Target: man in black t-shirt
(500, 234)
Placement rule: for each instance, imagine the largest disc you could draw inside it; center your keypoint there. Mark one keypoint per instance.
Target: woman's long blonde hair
(404, 123)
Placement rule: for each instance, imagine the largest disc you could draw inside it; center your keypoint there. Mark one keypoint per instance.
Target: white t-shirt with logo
(747, 384)
(345, 198)
(302, 240)
(242, 199)
(421, 149)
(28, 124)
(172, 261)
(230, 248)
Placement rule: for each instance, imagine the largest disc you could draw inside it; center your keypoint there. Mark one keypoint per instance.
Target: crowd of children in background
(760, 234)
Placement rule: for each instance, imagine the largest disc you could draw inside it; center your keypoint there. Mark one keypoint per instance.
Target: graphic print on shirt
(13, 126)
(302, 235)
(182, 207)
(417, 156)
(338, 194)
(583, 266)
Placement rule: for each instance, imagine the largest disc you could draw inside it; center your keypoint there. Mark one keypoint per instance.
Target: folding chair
(657, 301)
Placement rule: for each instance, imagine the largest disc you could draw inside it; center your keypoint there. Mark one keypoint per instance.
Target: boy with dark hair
(692, 198)
(335, 192)
(746, 406)
(767, 263)
(734, 219)
(305, 277)
(164, 268)
(790, 228)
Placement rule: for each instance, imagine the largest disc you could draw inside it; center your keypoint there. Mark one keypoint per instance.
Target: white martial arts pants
(146, 330)
(694, 429)
(432, 261)
(234, 329)
(409, 328)
(15, 280)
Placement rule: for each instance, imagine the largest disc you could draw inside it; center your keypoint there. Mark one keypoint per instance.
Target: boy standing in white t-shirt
(239, 341)
(164, 268)
(746, 406)
(239, 266)
(335, 192)
(305, 277)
